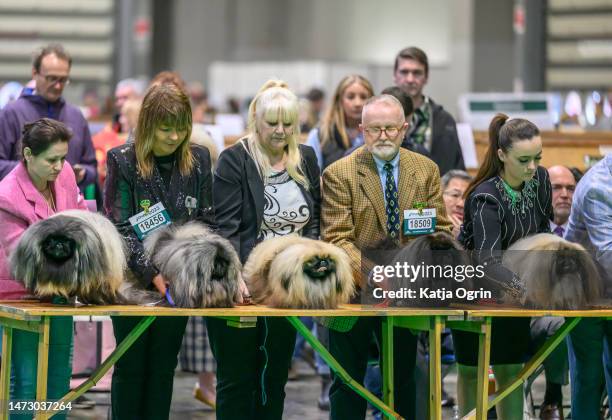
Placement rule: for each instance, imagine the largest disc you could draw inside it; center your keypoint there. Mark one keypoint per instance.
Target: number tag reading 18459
(419, 222)
(146, 222)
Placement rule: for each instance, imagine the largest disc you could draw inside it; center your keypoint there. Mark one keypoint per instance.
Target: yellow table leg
(5, 371)
(387, 361)
(484, 353)
(43, 365)
(435, 368)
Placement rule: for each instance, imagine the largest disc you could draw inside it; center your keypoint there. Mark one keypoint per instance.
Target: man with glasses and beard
(51, 73)
(364, 199)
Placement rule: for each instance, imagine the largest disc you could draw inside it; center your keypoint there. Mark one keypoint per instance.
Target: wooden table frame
(479, 321)
(35, 317)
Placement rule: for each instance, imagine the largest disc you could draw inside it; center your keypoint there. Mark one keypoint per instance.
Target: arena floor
(301, 401)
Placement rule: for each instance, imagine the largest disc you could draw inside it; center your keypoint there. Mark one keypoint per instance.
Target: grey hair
(384, 98)
(452, 174)
(139, 86)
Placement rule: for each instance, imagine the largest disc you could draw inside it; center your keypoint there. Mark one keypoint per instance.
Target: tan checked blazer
(353, 214)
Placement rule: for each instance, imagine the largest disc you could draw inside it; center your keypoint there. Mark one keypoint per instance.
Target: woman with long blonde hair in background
(339, 129)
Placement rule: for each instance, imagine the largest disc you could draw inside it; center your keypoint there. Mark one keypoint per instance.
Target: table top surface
(33, 310)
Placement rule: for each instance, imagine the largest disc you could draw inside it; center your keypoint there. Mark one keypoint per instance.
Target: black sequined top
(126, 190)
(492, 222)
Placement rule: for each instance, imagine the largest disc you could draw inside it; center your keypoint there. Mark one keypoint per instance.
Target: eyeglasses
(64, 80)
(454, 194)
(376, 132)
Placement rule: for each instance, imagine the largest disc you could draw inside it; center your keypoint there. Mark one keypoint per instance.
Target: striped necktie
(393, 219)
(559, 231)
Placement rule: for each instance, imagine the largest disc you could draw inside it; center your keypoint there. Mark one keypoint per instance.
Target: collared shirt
(380, 167)
(590, 221)
(554, 226)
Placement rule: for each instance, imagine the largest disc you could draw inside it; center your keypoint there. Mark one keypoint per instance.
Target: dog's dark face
(319, 268)
(58, 248)
(567, 262)
(219, 271)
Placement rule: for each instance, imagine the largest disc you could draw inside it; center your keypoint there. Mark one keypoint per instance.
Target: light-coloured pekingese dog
(296, 272)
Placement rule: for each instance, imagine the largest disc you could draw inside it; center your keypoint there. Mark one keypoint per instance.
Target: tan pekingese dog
(296, 272)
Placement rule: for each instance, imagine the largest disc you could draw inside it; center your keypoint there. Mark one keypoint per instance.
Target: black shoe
(326, 383)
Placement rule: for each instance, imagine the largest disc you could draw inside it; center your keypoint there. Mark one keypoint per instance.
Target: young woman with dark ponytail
(509, 198)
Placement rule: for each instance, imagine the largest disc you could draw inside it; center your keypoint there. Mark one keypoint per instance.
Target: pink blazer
(21, 205)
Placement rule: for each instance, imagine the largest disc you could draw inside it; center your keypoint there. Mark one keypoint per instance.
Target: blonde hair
(275, 99)
(164, 104)
(334, 116)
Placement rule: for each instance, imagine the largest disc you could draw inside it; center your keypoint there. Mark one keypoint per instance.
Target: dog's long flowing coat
(296, 272)
(201, 267)
(437, 255)
(72, 253)
(557, 274)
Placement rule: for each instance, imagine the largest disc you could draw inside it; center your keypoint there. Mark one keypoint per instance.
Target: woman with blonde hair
(265, 185)
(160, 170)
(339, 129)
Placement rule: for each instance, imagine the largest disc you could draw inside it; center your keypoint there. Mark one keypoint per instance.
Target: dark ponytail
(503, 132)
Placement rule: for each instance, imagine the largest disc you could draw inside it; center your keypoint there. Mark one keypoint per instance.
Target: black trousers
(144, 375)
(252, 367)
(351, 350)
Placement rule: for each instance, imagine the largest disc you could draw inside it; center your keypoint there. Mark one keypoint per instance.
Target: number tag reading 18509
(146, 222)
(419, 222)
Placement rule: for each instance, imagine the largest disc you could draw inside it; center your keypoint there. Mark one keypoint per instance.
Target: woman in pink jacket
(42, 184)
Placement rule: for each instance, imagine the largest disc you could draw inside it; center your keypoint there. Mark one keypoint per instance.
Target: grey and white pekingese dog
(72, 253)
(557, 274)
(201, 268)
(296, 272)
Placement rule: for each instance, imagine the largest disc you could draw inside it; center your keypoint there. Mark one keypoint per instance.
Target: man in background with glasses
(365, 199)
(51, 74)
(454, 184)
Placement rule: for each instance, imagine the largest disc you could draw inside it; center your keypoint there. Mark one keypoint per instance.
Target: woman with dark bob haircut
(42, 184)
(161, 168)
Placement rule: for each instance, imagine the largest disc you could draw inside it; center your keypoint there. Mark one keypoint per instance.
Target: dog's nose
(322, 265)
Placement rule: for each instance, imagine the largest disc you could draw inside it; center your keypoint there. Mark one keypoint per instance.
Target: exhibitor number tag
(147, 221)
(419, 221)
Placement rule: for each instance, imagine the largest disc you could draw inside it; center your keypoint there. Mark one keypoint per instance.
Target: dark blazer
(125, 188)
(238, 196)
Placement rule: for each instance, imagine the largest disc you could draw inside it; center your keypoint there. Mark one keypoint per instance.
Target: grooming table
(478, 320)
(35, 317)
